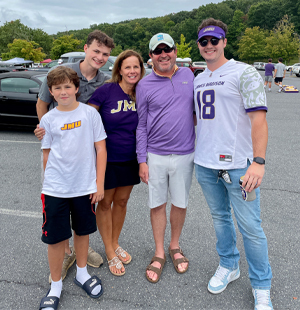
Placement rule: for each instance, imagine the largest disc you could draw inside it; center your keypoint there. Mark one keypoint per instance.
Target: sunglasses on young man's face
(214, 41)
(166, 49)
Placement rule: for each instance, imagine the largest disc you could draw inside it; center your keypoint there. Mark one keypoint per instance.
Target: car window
(106, 66)
(52, 64)
(18, 85)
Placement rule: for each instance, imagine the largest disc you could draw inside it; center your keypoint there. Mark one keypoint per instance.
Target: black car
(18, 97)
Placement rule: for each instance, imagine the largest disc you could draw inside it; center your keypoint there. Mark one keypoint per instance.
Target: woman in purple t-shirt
(115, 102)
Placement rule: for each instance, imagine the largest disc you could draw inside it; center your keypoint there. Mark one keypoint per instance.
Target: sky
(54, 16)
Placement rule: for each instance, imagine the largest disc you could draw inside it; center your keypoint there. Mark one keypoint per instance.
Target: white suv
(296, 69)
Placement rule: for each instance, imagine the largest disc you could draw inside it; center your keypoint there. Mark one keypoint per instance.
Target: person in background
(115, 101)
(269, 68)
(279, 74)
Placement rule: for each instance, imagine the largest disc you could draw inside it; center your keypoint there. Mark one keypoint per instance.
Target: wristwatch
(259, 160)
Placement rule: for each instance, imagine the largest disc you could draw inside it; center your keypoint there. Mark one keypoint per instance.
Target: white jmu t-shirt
(71, 165)
(222, 99)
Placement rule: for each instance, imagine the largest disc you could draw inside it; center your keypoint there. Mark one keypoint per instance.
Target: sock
(55, 291)
(82, 276)
(56, 288)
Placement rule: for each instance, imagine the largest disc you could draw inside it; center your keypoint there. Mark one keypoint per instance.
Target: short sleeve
(99, 96)
(98, 128)
(252, 90)
(47, 139)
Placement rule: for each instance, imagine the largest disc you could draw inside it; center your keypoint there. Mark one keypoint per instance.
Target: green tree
(283, 41)
(183, 49)
(116, 51)
(63, 45)
(24, 49)
(252, 44)
(235, 31)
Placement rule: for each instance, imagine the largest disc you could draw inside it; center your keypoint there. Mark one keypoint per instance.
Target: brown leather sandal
(178, 261)
(155, 269)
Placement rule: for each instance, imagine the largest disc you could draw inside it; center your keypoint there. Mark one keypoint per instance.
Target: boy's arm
(41, 110)
(45, 157)
(101, 158)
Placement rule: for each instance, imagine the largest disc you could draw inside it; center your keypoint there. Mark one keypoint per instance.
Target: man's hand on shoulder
(144, 172)
(39, 132)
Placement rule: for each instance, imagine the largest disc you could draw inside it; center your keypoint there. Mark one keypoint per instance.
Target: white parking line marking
(21, 213)
(19, 141)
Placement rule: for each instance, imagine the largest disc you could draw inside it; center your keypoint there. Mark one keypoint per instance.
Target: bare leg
(177, 218)
(119, 209)
(56, 253)
(81, 244)
(67, 247)
(104, 223)
(158, 222)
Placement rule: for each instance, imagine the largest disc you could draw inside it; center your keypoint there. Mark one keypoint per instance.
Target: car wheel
(297, 74)
(196, 73)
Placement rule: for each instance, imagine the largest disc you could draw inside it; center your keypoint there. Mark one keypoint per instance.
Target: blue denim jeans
(220, 197)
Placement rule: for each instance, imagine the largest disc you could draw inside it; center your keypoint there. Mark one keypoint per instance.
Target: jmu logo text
(71, 125)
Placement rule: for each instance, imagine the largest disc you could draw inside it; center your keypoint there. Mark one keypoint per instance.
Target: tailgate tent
(17, 61)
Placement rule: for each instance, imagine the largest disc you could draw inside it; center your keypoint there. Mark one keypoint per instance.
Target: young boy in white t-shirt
(74, 155)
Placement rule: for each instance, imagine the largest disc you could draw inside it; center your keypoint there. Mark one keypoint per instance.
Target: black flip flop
(89, 285)
(49, 302)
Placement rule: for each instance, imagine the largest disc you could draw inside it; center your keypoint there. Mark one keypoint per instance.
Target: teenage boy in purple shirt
(165, 147)
(269, 68)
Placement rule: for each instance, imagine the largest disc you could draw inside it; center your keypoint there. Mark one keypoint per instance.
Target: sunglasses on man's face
(166, 49)
(214, 41)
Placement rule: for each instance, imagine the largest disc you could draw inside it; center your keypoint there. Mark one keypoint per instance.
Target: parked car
(18, 97)
(187, 62)
(259, 65)
(296, 69)
(5, 68)
(199, 64)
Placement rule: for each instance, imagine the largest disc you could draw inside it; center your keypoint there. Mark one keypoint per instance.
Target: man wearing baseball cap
(165, 147)
(231, 106)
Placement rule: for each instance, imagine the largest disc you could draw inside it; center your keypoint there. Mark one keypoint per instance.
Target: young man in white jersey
(232, 135)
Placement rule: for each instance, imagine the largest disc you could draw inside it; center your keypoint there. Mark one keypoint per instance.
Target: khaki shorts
(170, 173)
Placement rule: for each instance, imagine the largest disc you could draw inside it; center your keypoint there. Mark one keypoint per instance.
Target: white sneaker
(262, 299)
(269, 89)
(221, 278)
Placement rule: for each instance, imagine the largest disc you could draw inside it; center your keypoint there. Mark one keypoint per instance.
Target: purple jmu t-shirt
(268, 69)
(120, 119)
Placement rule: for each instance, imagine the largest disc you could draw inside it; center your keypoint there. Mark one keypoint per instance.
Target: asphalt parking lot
(23, 257)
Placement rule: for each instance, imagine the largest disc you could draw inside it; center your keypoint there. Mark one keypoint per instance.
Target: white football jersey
(222, 99)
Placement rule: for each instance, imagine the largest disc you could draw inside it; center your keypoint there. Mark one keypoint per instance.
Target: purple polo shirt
(165, 111)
